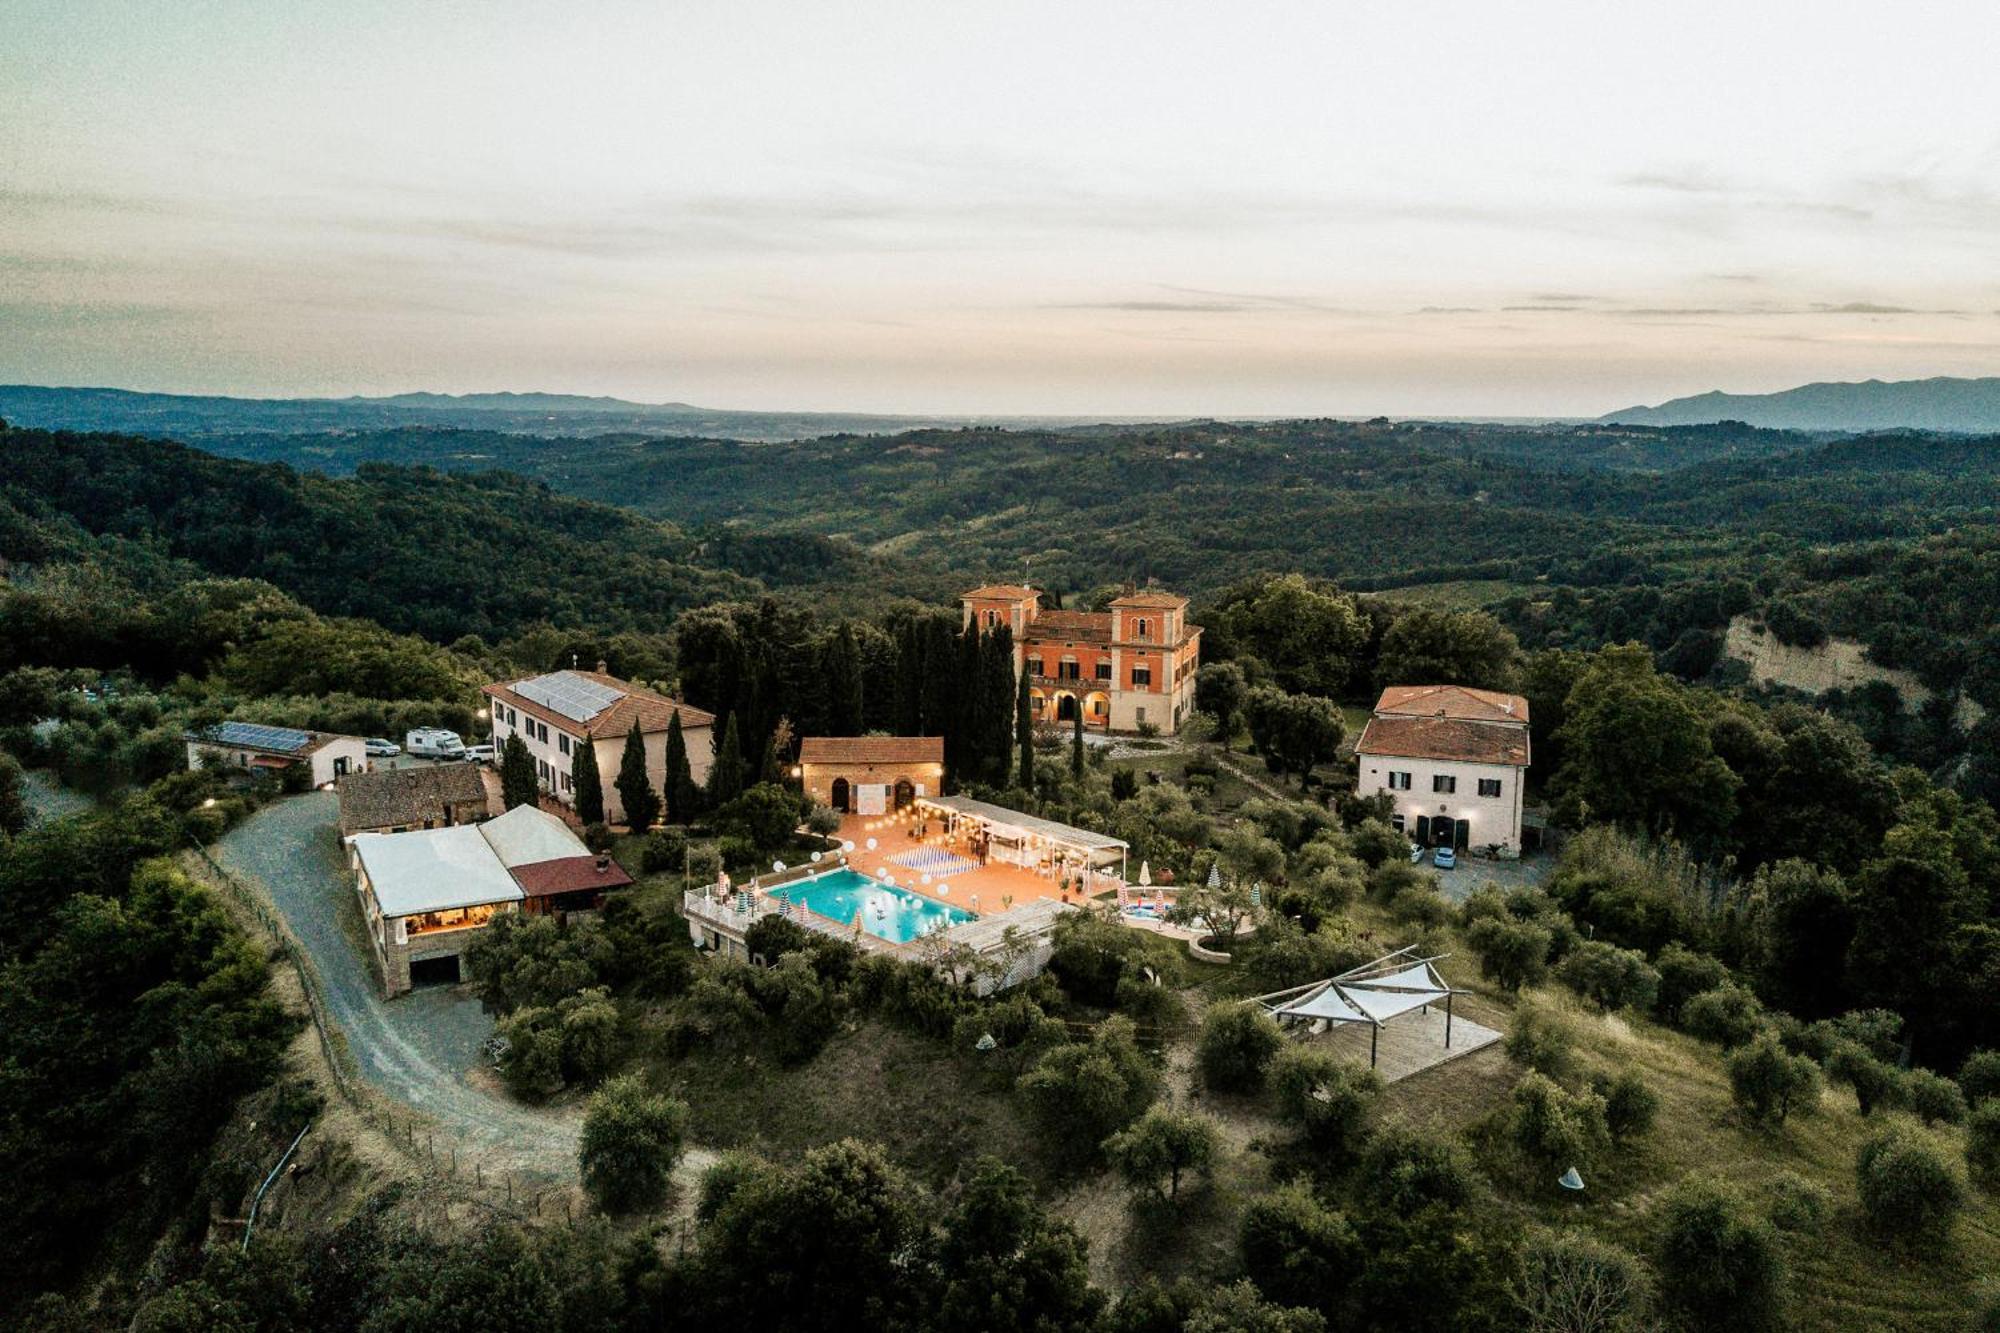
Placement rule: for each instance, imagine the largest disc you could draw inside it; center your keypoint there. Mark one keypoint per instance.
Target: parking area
(1472, 872)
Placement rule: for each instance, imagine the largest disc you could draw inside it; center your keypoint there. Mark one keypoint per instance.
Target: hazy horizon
(905, 209)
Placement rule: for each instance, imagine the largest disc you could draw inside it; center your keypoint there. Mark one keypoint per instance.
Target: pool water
(889, 913)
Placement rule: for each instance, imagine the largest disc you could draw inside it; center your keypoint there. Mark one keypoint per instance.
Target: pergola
(1373, 993)
(1081, 847)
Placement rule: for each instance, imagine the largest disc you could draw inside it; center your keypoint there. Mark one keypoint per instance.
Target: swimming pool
(888, 913)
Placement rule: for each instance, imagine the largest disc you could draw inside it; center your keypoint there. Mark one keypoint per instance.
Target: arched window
(1144, 625)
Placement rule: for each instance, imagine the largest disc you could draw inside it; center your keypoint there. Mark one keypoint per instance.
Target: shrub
(1728, 1015)
(1088, 957)
(1769, 1082)
(664, 849)
(1150, 1003)
(1161, 1146)
(1330, 1100)
(1086, 1091)
(1879, 1030)
(1721, 1266)
(1512, 954)
(1982, 1141)
(1406, 1168)
(731, 1172)
(531, 1061)
(1798, 1205)
(1569, 1282)
(1610, 977)
(1298, 1251)
(1236, 1046)
(1909, 1192)
(631, 1140)
(1684, 974)
(1933, 1097)
(1557, 1127)
(772, 937)
(1421, 905)
(1875, 1084)
(1376, 843)
(1630, 1105)
(1979, 1076)
(1542, 1041)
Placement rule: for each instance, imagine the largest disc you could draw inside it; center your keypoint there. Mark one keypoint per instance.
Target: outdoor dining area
(1078, 862)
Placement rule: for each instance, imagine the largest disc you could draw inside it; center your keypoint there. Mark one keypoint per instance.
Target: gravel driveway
(422, 1049)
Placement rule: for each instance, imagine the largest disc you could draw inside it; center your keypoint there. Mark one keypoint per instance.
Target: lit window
(1142, 677)
(1443, 785)
(1398, 781)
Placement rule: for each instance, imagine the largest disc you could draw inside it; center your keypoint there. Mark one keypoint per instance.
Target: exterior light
(208, 804)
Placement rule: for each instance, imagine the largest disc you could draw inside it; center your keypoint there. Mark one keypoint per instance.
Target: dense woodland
(1769, 947)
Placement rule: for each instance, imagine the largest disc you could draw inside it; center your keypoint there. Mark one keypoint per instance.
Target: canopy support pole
(1374, 1036)
(1447, 1020)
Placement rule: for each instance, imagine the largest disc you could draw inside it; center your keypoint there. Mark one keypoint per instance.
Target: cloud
(1151, 307)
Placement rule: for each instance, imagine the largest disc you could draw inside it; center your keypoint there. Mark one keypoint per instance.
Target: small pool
(888, 913)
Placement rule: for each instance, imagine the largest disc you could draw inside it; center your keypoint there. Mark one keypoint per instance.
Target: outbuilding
(252, 746)
(871, 775)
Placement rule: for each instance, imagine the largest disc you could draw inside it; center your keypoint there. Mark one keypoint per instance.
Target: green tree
(635, 789)
(1330, 1100)
(1876, 1083)
(1297, 1250)
(1008, 1267)
(518, 782)
(1155, 1151)
(631, 1140)
(1573, 1283)
(1221, 692)
(1309, 635)
(726, 779)
(1610, 977)
(1430, 646)
(1769, 1082)
(1294, 732)
(1511, 953)
(587, 781)
(1024, 735)
(766, 814)
(1237, 1044)
(1555, 1126)
(1721, 1265)
(1086, 1091)
(1982, 1142)
(683, 797)
(1638, 751)
(13, 796)
(840, 677)
(1933, 1098)
(1076, 745)
(1910, 1192)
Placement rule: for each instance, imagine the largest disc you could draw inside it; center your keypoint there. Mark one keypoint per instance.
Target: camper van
(434, 743)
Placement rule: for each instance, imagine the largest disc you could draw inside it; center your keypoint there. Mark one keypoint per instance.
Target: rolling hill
(1938, 404)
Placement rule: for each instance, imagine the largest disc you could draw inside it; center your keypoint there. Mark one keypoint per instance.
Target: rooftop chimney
(603, 667)
(603, 864)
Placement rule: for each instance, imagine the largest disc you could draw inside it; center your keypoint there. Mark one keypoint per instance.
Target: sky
(1242, 208)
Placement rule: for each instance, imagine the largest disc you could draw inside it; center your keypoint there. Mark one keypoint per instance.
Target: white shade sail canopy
(1366, 995)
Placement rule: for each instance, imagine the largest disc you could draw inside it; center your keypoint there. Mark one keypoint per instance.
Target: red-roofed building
(870, 775)
(1127, 668)
(557, 712)
(1454, 761)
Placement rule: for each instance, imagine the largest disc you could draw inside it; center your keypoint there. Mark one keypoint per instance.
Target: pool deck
(984, 889)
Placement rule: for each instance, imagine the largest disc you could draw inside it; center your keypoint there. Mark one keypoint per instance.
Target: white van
(434, 743)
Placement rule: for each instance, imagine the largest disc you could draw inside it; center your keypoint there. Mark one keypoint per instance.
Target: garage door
(435, 971)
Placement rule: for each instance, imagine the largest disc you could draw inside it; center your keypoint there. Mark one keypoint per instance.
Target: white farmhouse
(557, 713)
(1453, 760)
(252, 747)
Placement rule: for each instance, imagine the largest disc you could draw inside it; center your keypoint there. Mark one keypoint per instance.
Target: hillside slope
(1942, 403)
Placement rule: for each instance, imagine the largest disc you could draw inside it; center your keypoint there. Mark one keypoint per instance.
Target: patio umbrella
(1215, 876)
(1145, 874)
(859, 916)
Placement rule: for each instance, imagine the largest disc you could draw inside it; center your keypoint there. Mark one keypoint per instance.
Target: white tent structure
(1373, 993)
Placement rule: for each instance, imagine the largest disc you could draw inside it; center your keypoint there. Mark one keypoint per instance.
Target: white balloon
(778, 866)
(847, 846)
(816, 856)
(927, 879)
(871, 844)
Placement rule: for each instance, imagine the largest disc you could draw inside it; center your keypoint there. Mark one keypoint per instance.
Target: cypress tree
(1076, 746)
(517, 773)
(683, 797)
(1024, 732)
(940, 680)
(840, 670)
(725, 780)
(589, 783)
(635, 791)
(909, 679)
(996, 720)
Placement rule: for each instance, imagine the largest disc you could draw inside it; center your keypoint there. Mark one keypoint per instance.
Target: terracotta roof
(1008, 592)
(569, 874)
(391, 797)
(1150, 598)
(871, 750)
(1092, 625)
(1445, 738)
(1456, 701)
(652, 709)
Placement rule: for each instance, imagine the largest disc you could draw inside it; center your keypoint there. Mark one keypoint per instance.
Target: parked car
(377, 748)
(1444, 858)
(434, 743)
(1416, 853)
(479, 754)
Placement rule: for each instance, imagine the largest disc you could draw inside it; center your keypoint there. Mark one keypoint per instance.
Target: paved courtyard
(954, 877)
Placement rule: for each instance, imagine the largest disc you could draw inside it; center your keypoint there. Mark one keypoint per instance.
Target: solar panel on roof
(285, 740)
(568, 693)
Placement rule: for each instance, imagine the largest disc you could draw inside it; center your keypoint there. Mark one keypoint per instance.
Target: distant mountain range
(197, 417)
(1942, 404)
